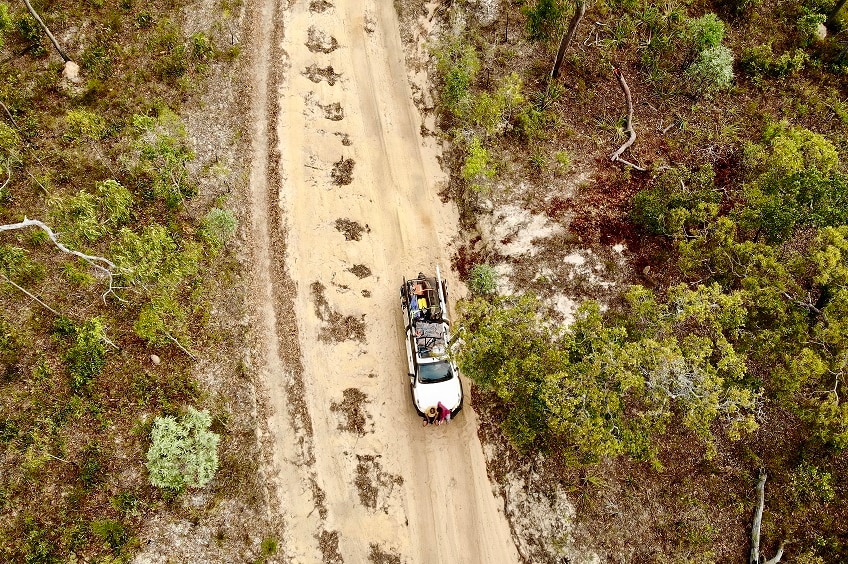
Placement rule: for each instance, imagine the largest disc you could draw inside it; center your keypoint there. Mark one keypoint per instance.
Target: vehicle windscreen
(434, 372)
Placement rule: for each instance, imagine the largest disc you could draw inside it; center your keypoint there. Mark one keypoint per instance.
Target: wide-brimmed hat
(431, 411)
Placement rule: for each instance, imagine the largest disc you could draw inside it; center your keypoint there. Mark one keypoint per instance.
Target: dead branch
(803, 304)
(8, 113)
(616, 156)
(50, 309)
(55, 43)
(62, 459)
(568, 37)
(8, 168)
(95, 261)
(635, 166)
(182, 348)
(8, 164)
(42, 304)
(777, 556)
(758, 521)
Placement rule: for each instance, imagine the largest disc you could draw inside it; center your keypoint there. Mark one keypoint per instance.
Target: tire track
(291, 451)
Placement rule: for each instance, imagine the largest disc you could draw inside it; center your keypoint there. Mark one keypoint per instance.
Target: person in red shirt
(443, 414)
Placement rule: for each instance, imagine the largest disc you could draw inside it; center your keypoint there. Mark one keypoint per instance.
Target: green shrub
(169, 44)
(712, 71)
(794, 180)
(539, 160)
(183, 452)
(457, 65)
(153, 258)
(477, 162)
(5, 21)
(161, 321)
(544, 19)
(162, 153)
(678, 199)
(808, 25)
(112, 533)
(31, 33)
(268, 546)
(76, 217)
(16, 264)
(492, 112)
(126, 503)
(706, 32)
(87, 217)
(741, 7)
(115, 202)
(97, 62)
(87, 355)
(563, 159)
(218, 227)
(10, 343)
(84, 125)
(202, 48)
(38, 547)
(80, 277)
(650, 207)
(10, 143)
(533, 122)
(483, 280)
(788, 149)
(91, 471)
(810, 483)
(144, 20)
(9, 431)
(761, 61)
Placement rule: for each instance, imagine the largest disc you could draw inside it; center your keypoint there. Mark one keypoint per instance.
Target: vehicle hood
(429, 395)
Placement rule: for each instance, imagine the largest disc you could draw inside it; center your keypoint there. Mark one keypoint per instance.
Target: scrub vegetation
(724, 352)
(97, 371)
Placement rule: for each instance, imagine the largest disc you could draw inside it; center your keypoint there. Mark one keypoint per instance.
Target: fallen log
(616, 156)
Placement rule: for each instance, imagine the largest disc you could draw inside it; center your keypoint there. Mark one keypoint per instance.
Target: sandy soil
(344, 203)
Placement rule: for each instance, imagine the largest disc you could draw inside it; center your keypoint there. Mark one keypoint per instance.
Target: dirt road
(344, 204)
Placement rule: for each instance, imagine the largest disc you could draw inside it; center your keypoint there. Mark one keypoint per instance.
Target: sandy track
(390, 487)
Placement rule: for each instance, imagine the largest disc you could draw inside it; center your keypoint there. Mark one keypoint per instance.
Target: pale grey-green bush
(712, 71)
(183, 452)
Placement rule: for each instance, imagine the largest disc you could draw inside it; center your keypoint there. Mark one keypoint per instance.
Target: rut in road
(344, 203)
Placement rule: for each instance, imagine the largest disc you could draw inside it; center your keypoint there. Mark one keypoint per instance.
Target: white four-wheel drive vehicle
(433, 376)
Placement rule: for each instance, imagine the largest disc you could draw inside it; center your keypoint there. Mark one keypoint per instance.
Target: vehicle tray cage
(422, 299)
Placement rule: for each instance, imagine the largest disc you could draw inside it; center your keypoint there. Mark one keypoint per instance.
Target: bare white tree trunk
(100, 264)
(758, 521)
